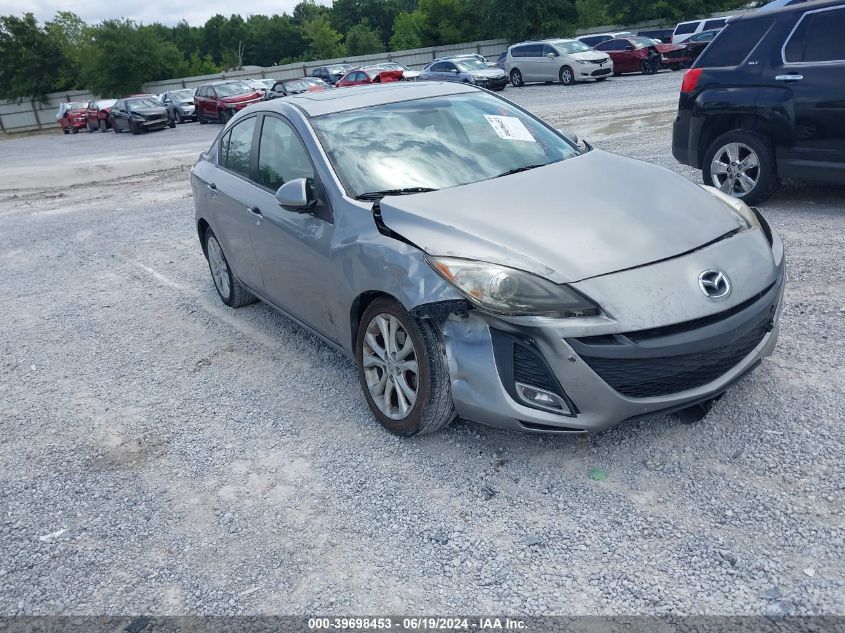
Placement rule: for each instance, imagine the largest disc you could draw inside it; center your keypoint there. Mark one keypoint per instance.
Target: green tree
(361, 39)
(444, 21)
(197, 65)
(536, 18)
(31, 61)
(407, 31)
(323, 41)
(122, 56)
(592, 13)
(308, 10)
(68, 31)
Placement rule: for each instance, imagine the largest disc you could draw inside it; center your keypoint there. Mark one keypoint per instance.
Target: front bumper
(727, 345)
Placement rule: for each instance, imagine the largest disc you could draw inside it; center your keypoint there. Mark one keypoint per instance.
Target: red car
(72, 116)
(219, 101)
(97, 115)
(365, 76)
(643, 55)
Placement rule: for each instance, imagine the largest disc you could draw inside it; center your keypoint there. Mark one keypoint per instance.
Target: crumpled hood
(586, 216)
(489, 73)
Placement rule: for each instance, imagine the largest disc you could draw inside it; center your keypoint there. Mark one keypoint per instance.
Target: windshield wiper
(519, 169)
(378, 195)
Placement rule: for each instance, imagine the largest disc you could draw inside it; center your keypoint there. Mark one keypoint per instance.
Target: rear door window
(686, 27)
(236, 147)
(715, 24)
(819, 37)
(735, 43)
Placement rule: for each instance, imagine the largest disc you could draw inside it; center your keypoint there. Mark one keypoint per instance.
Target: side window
(714, 24)
(281, 155)
(449, 67)
(818, 38)
(236, 147)
(517, 51)
(687, 27)
(735, 43)
(548, 49)
(534, 50)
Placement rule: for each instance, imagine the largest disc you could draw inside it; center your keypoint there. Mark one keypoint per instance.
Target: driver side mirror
(297, 195)
(570, 136)
(550, 55)
(630, 47)
(453, 70)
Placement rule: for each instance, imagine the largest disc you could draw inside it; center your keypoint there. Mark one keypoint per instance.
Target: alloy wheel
(735, 169)
(566, 77)
(390, 366)
(219, 267)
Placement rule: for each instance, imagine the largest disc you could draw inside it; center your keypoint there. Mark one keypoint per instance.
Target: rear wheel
(516, 78)
(567, 77)
(403, 370)
(230, 290)
(201, 117)
(741, 164)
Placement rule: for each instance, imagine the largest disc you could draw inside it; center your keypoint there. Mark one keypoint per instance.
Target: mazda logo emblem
(714, 284)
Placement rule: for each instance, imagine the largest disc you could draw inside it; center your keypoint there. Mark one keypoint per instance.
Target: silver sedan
(475, 262)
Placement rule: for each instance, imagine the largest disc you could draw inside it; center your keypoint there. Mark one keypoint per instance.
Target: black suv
(766, 100)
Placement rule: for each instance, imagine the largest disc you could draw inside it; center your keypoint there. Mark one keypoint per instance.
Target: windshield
(471, 64)
(228, 90)
(182, 95)
(339, 70)
(140, 104)
(435, 143)
(567, 48)
(300, 85)
(106, 103)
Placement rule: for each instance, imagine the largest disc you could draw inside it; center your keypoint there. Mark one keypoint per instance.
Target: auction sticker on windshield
(509, 127)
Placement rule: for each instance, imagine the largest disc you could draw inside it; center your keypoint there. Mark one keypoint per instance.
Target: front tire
(516, 78)
(403, 370)
(741, 164)
(229, 289)
(224, 116)
(567, 77)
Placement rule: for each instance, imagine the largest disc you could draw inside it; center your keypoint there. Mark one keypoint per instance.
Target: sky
(196, 12)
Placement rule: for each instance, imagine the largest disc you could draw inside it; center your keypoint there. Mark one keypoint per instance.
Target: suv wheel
(741, 164)
(224, 115)
(403, 371)
(567, 77)
(516, 78)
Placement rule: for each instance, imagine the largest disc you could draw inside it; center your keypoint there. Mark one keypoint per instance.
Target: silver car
(180, 105)
(448, 242)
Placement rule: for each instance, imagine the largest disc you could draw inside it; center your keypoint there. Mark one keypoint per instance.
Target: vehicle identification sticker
(509, 127)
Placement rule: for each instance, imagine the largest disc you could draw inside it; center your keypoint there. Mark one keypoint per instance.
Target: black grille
(658, 376)
(678, 54)
(601, 71)
(529, 369)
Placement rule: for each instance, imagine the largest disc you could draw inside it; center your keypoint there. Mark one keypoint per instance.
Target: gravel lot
(164, 454)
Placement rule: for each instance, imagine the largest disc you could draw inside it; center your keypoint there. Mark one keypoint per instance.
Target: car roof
(795, 6)
(314, 104)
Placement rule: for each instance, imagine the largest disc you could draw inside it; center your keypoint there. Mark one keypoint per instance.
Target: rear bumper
(686, 132)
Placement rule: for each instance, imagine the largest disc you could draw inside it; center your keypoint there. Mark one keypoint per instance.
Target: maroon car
(643, 55)
(97, 115)
(221, 100)
(369, 75)
(72, 116)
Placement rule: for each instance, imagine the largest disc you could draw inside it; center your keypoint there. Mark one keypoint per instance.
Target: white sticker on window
(509, 127)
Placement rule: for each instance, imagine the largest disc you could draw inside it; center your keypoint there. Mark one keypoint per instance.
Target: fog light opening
(542, 399)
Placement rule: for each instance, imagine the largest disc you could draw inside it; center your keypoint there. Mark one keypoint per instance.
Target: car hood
(586, 216)
(489, 73)
(668, 48)
(145, 112)
(590, 56)
(247, 96)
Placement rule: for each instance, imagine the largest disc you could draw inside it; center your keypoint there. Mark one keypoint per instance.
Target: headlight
(504, 290)
(737, 205)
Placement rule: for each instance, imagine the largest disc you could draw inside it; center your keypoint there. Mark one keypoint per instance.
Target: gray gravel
(164, 454)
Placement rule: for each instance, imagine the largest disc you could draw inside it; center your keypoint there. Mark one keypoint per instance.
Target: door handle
(212, 188)
(255, 211)
(789, 77)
